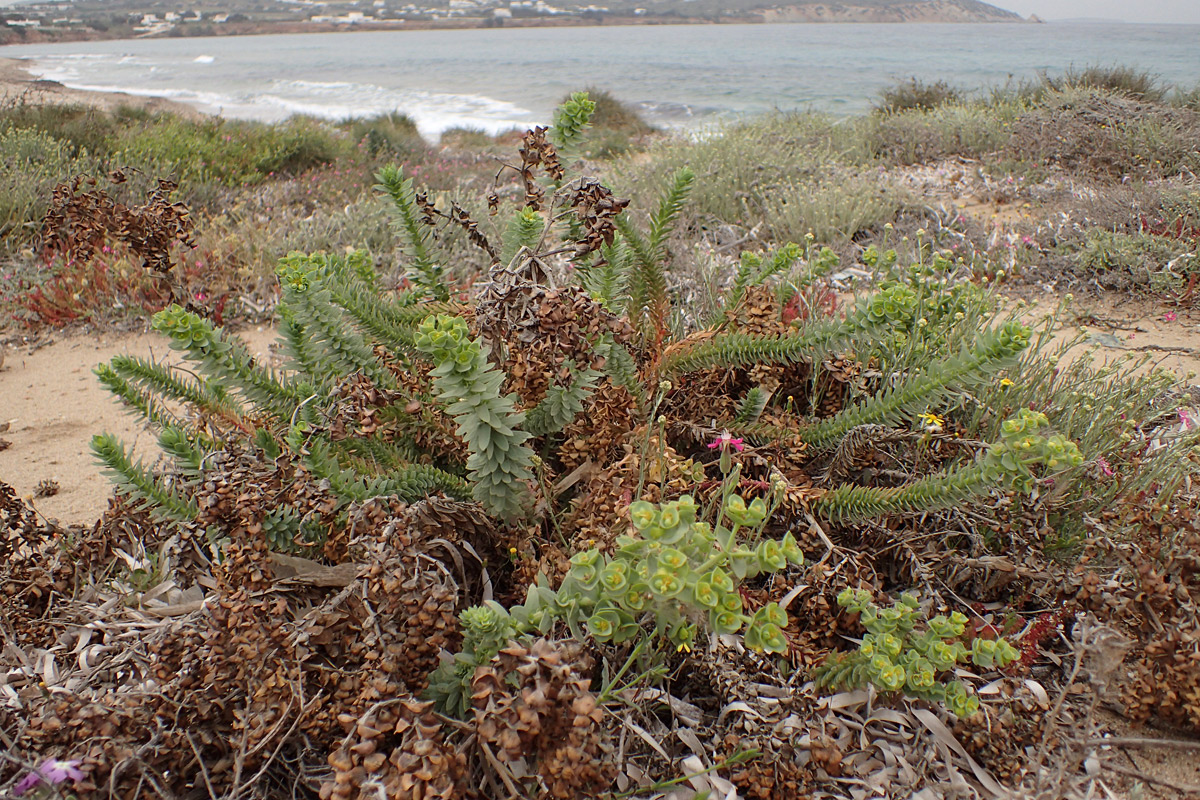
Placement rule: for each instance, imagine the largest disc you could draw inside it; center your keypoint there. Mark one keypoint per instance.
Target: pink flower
(1185, 419)
(1105, 467)
(725, 441)
(1169, 316)
(51, 771)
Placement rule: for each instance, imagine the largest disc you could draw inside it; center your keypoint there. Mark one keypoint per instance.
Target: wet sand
(17, 85)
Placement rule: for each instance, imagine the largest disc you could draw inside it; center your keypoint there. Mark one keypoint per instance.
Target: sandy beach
(17, 85)
(50, 441)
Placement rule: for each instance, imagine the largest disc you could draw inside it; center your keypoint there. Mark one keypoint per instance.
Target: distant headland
(78, 20)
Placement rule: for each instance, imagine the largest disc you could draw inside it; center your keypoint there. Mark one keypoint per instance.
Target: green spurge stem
(226, 359)
(993, 349)
(746, 350)
(561, 403)
(392, 323)
(1007, 463)
(140, 400)
(343, 350)
(135, 481)
(157, 378)
(409, 483)
(524, 230)
(649, 304)
(500, 463)
(571, 118)
(414, 233)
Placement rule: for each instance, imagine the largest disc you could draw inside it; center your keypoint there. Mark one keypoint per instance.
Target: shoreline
(18, 85)
(482, 23)
(19, 69)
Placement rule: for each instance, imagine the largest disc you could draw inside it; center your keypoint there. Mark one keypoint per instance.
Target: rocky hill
(903, 11)
(833, 10)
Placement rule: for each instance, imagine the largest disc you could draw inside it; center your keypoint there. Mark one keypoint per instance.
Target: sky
(1157, 11)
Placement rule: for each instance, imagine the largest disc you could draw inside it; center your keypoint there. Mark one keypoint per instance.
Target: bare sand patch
(53, 404)
(1119, 324)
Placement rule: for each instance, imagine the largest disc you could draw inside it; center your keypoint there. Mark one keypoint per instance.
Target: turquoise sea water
(683, 75)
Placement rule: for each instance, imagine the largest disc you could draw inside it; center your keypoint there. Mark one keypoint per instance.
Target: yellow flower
(684, 648)
(1005, 382)
(933, 423)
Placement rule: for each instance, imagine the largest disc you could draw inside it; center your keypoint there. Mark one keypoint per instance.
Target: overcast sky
(1141, 11)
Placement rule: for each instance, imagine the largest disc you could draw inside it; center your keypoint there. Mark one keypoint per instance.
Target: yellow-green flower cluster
(572, 117)
(879, 261)
(895, 304)
(676, 573)
(1022, 446)
(915, 303)
(189, 332)
(679, 573)
(904, 652)
(299, 274)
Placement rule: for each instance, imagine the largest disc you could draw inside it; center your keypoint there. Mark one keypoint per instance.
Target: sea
(678, 76)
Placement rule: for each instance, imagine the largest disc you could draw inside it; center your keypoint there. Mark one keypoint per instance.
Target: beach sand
(17, 85)
(51, 404)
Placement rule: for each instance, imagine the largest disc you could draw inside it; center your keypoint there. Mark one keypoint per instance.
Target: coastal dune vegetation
(606, 462)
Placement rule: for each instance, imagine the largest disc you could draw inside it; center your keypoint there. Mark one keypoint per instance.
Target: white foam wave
(206, 101)
(81, 56)
(70, 68)
(434, 112)
(278, 99)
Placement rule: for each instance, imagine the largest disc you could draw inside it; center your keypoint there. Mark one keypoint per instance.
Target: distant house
(160, 26)
(351, 18)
